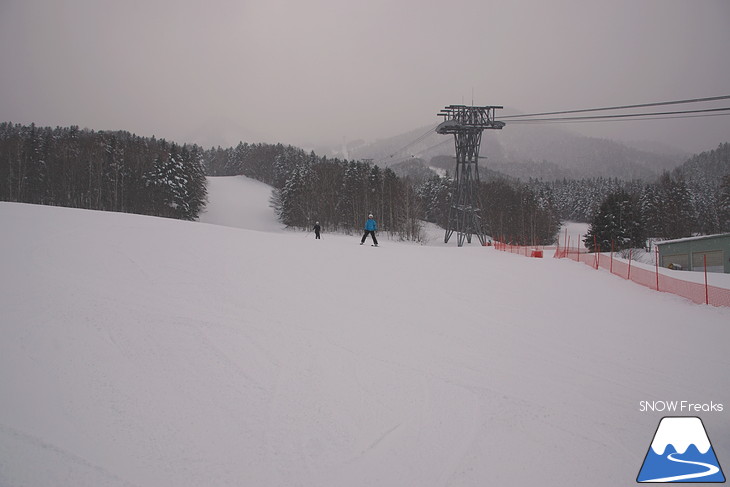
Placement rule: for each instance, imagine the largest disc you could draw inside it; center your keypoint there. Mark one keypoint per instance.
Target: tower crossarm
(468, 119)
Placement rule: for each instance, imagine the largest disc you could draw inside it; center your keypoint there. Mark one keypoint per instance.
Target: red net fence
(526, 250)
(656, 278)
(698, 292)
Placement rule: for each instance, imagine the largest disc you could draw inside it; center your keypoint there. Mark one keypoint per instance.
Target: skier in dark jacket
(370, 227)
(316, 229)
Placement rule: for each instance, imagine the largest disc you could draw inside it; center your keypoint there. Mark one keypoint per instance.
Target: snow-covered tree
(650, 206)
(724, 204)
(353, 202)
(196, 191)
(677, 208)
(296, 198)
(617, 224)
(435, 195)
(177, 184)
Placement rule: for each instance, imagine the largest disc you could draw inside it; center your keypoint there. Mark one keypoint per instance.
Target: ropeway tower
(467, 124)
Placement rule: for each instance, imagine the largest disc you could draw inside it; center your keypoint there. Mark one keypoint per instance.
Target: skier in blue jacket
(370, 227)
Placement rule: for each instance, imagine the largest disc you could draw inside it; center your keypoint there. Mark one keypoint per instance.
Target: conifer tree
(677, 210)
(178, 184)
(724, 204)
(196, 191)
(651, 211)
(617, 225)
(296, 197)
(434, 194)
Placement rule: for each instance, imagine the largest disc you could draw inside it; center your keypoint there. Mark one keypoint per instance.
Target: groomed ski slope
(139, 351)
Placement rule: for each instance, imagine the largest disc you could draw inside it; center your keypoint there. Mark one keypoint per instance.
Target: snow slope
(140, 351)
(240, 202)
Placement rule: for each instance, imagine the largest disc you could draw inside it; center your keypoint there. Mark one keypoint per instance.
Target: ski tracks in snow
(23, 448)
(339, 417)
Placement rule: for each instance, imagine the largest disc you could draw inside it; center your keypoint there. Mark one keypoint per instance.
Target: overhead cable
(670, 117)
(420, 138)
(623, 107)
(424, 151)
(620, 117)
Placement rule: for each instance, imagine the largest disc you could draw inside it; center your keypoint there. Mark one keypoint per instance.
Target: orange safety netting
(701, 293)
(526, 250)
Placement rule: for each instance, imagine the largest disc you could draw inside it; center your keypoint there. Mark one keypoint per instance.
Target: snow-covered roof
(688, 239)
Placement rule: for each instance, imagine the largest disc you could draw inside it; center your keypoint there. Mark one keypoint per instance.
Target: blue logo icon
(681, 452)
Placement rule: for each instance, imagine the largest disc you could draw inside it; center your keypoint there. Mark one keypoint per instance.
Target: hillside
(525, 151)
(707, 168)
(140, 351)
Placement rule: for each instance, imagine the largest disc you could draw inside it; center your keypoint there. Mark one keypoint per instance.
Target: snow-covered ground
(573, 232)
(139, 351)
(239, 202)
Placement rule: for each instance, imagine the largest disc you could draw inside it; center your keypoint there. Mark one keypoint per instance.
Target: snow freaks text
(679, 407)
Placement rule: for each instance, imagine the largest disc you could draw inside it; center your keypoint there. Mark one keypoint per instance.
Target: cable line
(414, 142)
(619, 117)
(624, 120)
(525, 118)
(417, 154)
(623, 107)
(671, 117)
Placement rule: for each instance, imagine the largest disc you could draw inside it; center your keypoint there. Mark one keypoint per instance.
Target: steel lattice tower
(467, 124)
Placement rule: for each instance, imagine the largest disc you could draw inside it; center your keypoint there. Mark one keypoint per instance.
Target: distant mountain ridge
(532, 151)
(708, 167)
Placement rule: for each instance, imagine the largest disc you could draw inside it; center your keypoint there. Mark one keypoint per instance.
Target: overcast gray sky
(305, 72)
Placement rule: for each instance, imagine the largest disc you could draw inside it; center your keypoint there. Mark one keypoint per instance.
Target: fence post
(656, 264)
(707, 291)
(578, 247)
(611, 265)
(628, 277)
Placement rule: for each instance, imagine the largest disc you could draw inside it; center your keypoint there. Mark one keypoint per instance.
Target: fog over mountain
(524, 151)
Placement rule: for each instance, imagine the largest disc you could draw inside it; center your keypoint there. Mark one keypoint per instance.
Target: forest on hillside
(120, 171)
(340, 193)
(108, 171)
(692, 199)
